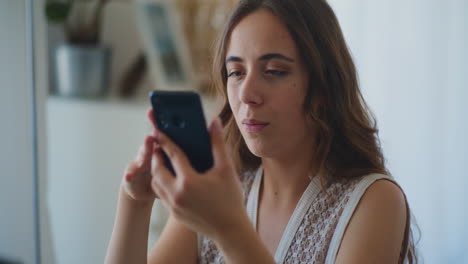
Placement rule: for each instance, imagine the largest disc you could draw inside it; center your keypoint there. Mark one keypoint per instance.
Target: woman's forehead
(260, 33)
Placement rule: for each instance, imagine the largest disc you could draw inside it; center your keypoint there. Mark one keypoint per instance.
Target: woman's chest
(271, 224)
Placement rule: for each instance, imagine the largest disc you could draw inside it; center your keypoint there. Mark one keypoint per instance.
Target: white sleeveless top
(316, 227)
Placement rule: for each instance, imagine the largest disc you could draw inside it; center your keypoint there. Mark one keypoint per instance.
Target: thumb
(217, 143)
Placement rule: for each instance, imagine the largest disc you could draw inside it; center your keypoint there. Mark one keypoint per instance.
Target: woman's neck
(286, 179)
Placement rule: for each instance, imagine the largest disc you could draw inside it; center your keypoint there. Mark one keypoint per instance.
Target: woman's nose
(250, 92)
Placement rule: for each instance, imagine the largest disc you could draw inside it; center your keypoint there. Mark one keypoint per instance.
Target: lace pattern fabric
(208, 253)
(312, 239)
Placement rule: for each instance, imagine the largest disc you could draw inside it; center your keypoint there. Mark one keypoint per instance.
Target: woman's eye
(276, 72)
(235, 74)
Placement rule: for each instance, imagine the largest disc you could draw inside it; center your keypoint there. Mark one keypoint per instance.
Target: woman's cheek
(233, 103)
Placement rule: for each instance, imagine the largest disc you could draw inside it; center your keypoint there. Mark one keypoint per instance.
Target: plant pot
(82, 71)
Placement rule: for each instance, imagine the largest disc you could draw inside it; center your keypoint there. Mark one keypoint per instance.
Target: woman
(299, 176)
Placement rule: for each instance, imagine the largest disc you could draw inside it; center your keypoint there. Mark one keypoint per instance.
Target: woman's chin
(259, 150)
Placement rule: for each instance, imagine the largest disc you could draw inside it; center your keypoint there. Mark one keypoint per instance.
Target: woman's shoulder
(365, 192)
(376, 187)
(379, 209)
(375, 204)
(382, 191)
(382, 195)
(381, 185)
(360, 184)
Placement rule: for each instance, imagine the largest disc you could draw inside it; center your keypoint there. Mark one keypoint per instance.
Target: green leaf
(57, 12)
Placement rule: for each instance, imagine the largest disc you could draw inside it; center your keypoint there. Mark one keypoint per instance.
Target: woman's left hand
(210, 203)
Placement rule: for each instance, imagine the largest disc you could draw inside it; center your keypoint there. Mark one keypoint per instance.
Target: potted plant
(81, 63)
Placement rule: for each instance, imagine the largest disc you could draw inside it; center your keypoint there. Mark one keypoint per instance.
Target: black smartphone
(180, 116)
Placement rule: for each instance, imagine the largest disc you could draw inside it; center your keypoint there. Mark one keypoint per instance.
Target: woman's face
(266, 86)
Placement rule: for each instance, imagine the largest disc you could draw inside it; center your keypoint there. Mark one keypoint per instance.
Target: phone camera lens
(163, 121)
(179, 122)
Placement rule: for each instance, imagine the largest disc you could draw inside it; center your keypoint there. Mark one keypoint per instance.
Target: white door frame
(19, 115)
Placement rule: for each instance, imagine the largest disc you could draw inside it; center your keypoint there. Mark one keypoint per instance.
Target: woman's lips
(252, 125)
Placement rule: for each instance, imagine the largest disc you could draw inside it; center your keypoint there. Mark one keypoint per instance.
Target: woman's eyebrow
(279, 56)
(266, 57)
(233, 59)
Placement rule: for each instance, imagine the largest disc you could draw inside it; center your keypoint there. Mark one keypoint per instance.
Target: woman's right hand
(136, 183)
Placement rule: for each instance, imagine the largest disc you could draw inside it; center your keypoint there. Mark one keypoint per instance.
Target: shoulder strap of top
(252, 194)
(295, 221)
(348, 211)
(296, 218)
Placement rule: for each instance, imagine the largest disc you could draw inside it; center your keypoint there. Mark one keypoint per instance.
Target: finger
(159, 191)
(217, 143)
(131, 171)
(161, 176)
(147, 151)
(176, 155)
(150, 114)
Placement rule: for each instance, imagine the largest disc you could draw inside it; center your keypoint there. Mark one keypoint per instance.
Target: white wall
(18, 230)
(413, 65)
(90, 144)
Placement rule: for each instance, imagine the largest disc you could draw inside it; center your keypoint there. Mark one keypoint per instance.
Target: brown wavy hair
(346, 144)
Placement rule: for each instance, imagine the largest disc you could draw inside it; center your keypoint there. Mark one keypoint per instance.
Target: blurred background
(74, 81)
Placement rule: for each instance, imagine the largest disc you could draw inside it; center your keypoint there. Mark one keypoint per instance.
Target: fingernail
(128, 177)
(150, 136)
